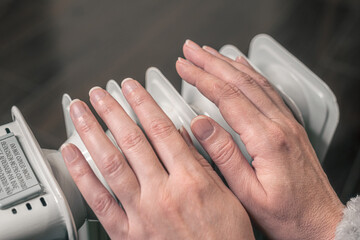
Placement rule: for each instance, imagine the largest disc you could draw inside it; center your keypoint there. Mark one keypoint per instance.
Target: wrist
(323, 222)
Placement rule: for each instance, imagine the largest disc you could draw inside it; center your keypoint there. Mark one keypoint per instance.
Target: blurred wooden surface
(48, 48)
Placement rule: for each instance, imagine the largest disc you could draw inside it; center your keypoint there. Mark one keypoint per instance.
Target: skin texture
(166, 188)
(286, 191)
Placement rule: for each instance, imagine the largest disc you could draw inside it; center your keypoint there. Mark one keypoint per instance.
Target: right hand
(286, 191)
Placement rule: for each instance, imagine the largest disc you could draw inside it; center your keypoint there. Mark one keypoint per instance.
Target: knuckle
(224, 151)
(263, 81)
(296, 127)
(138, 100)
(161, 128)
(108, 108)
(229, 90)
(85, 125)
(293, 126)
(197, 185)
(102, 203)
(131, 140)
(279, 138)
(113, 164)
(80, 172)
(243, 78)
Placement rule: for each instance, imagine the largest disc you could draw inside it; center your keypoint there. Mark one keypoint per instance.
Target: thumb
(227, 156)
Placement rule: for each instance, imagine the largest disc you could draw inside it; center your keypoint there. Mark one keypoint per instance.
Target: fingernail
(96, 94)
(242, 60)
(128, 85)
(77, 108)
(202, 127)
(185, 135)
(210, 50)
(192, 45)
(68, 152)
(183, 61)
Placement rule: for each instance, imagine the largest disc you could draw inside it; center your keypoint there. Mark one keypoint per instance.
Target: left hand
(286, 191)
(167, 190)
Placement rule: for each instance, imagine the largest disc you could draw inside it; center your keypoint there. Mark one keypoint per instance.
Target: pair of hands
(167, 188)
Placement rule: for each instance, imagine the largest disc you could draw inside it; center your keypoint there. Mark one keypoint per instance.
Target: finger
(185, 135)
(129, 137)
(107, 157)
(227, 156)
(228, 73)
(239, 61)
(263, 82)
(108, 211)
(243, 61)
(218, 179)
(162, 133)
(243, 65)
(229, 99)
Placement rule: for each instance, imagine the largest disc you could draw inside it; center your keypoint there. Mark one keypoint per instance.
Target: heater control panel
(17, 179)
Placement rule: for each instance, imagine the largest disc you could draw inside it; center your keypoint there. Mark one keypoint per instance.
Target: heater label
(17, 180)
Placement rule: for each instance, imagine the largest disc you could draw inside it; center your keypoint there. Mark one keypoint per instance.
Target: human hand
(166, 188)
(286, 191)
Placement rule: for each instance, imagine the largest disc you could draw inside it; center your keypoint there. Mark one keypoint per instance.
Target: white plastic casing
(53, 221)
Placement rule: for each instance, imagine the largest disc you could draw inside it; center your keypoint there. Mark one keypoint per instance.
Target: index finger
(106, 156)
(242, 65)
(230, 100)
(222, 69)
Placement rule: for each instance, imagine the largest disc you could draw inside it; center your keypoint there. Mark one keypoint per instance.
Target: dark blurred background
(51, 47)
